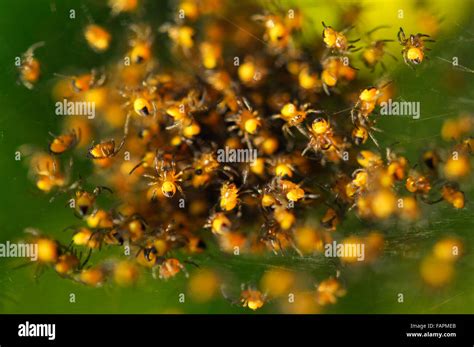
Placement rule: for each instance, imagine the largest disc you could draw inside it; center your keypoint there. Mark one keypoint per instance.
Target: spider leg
(373, 139)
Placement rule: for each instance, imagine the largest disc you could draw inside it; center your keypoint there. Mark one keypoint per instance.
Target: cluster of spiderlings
(248, 134)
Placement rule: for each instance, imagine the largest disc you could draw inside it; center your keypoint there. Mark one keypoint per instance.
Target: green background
(27, 116)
